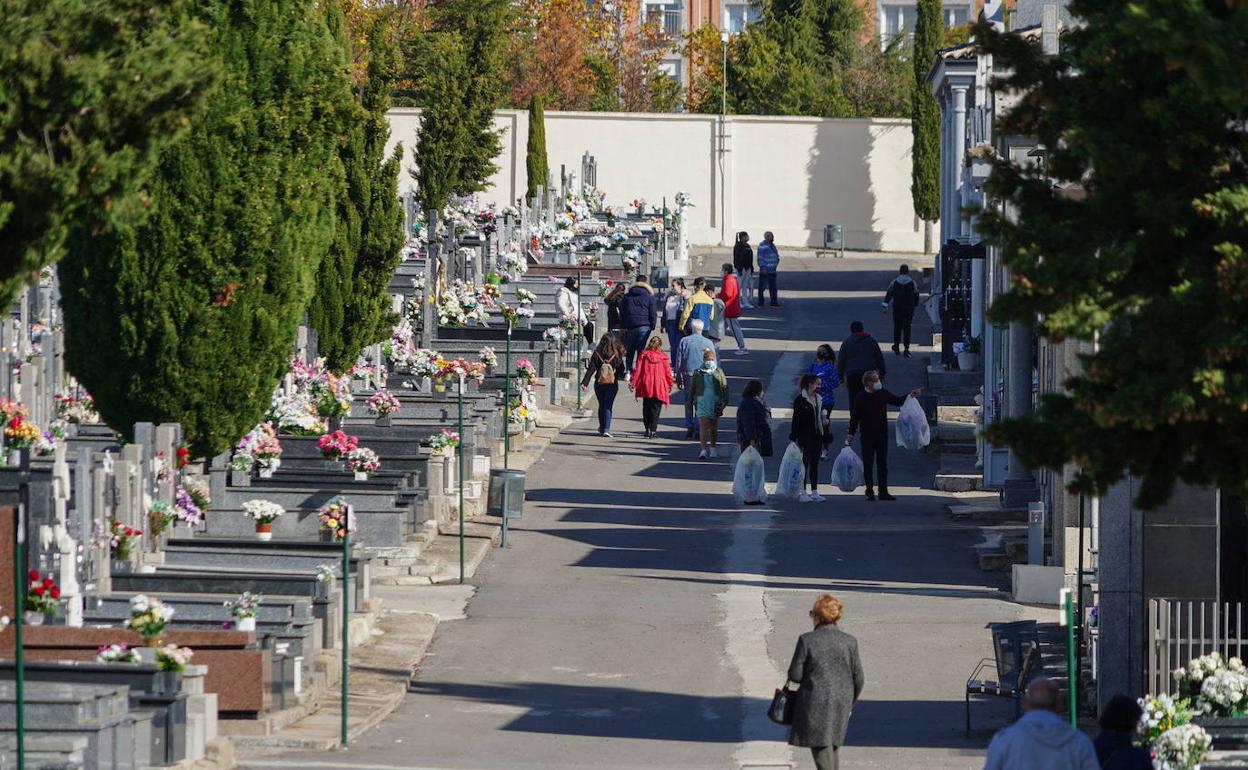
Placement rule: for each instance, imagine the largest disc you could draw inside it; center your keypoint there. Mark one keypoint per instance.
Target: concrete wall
(790, 175)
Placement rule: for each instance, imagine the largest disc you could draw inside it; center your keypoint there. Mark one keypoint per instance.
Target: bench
(1016, 648)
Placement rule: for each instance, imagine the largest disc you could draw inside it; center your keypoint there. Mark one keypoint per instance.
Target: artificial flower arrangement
(488, 356)
(526, 371)
(42, 594)
(513, 315)
(491, 294)
(45, 445)
(332, 395)
(245, 605)
(590, 260)
(383, 403)
(325, 573)
(513, 260)
(518, 412)
(171, 657)
(185, 508)
(160, 515)
(10, 409)
(260, 448)
(605, 287)
(121, 539)
(363, 460)
(21, 433)
(75, 407)
(444, 443)
(460, 368)
(398, 349)
(600, 243)
(555, 334)
(1215, 686)
(336, 445)
(425, 363)
(336, 517)
(1181, 748)
(524, 296)
(148, 618)
(116, 653)
(263, 511)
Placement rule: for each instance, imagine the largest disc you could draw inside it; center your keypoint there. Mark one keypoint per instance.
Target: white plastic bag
(912, 430)
(749, 479)
(847, 470)
(792, 473)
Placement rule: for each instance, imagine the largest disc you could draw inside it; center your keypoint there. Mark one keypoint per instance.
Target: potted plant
(363, 461)
(159, 516)
(121, 540)
(172, 661)
(243, 609)
(489, 359)
(148, 618)
(336, 519)
(968, 354)
(381, 405)
(117, 653)
(264, 513)
(444, 443)
(43, 596)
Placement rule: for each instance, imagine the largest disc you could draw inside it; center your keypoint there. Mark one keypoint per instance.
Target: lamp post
(460, 463)
(346, 620)
(580, 335)
(507, 401)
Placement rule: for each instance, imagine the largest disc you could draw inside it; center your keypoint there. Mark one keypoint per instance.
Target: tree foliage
(352, 305)
(778, 67)
(536, 162)
(1141, 243)
(550, 54)
(191, 316)
(80, 133)
(925, 115)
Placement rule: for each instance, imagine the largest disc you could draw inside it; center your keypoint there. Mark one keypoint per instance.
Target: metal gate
(1181, 629)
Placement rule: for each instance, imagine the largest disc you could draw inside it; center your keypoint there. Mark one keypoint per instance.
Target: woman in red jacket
(652, 383)
(730, 293)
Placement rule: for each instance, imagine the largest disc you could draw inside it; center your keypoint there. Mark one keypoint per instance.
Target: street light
(724, 34)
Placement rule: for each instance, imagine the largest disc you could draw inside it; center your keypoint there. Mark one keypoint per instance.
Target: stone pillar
(1019, 482)
(1121, 577)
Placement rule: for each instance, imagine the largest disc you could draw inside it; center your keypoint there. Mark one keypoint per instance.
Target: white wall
(785, 174)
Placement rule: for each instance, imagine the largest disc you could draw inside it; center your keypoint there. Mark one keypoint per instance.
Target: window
(668, 17)
(738, 15)
(956, 17)
(898, 18)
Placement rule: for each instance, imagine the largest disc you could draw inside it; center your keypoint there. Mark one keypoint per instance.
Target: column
(1018, 379)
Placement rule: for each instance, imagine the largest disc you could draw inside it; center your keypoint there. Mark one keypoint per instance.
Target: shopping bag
(749, 480)
(912, 429)
(792, 472)
(847, 470)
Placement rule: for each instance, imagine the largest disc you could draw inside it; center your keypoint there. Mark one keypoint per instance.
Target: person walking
(1040, 739)
(870, 412)
(859, 354)
(606, 369)
(652, 383)
(730, 293)
(743, 262)
(768, 264)
(699, 306)
(615, 321)
(903, 293)
(715, 329)
(807, 433)
(638, 311)
(710, 398)
(1115, 747)
(754, 420)
(570, 308)
(693, 347)
(828, 672)
(824, 368)
(673, 304)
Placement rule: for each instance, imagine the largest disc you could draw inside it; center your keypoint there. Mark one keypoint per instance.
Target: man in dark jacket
(903, 292)
(859, 353)
(870, 412)
(637, 312)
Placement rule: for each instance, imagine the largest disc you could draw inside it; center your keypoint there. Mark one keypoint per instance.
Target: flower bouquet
(148, 618)
(336, 445)
(116, 653)
(325, 573)
(513, 315)
(76, 409)
(526, 371)
(425, 363)
(185, 508)
(264, 512)
(1216, 686)
(1162, 713)
(556, 334)
(243, 609)
(589, 260)
(363, 461)
(332, 395)
(382, 404)
(444, 443)
(488, 357)
(43, 596)
(171, 657)
(20, 433)
(336, 518)
(121, 539)
(159, 516)
(1181, 748)
(524, 296)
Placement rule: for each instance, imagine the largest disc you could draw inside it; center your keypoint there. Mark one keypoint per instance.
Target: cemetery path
(641, 619)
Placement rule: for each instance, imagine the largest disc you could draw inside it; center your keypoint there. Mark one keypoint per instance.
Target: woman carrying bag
(606, 369)
(710, 397)
(828, 672)
(807, 433)
(652, 383)
(753, 420)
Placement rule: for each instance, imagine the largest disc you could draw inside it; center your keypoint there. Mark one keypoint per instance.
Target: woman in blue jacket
(824, 368)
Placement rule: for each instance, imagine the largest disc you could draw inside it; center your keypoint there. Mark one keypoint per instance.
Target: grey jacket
(827, 666)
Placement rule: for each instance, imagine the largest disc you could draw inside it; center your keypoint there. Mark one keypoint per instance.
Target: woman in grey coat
(828, 672)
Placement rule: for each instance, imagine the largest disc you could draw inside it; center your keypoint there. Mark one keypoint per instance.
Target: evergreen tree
(351, 310)
(1133, 232)
(838, 24)
(443, 134)
(191, 316)
(925, 121)
(91, 92)
(777, 69)
(535, 161)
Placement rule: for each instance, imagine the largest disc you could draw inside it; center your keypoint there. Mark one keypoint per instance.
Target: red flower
(34, 576)
(38, 591)
(184, 456)
(56, 592)
(48, 582)
(15, 422)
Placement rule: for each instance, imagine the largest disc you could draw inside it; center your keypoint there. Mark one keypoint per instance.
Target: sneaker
(805, 498)
(906, 354)
(816, 497)
(714, 453)
(896, 350)
(886, 496)
(741, 352)
(607, 434)
(689, 433)
(870, 496)
(702, 455)
(823, 454)
(628, 376)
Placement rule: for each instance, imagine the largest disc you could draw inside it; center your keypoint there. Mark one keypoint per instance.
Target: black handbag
(781, 711)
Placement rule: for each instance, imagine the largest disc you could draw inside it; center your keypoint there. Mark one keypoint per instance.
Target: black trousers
(810, 459)
(875, 457)
(853, 386)
(826, 412)
(901, 329)
(650, 409)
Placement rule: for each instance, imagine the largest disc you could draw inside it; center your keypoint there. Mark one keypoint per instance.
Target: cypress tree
(535, 162)
(91, 92)
(443, 132)
(925, 121)
(351, 310)
(191, 316)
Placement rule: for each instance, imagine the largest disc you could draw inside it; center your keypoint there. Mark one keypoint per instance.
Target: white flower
(139, 603)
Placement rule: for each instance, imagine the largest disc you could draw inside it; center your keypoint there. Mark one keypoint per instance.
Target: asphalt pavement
(641, 619)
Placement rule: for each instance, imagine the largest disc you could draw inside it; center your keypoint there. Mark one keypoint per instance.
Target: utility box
(506, 497)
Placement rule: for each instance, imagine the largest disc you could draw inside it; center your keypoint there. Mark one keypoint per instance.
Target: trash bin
(506, 497)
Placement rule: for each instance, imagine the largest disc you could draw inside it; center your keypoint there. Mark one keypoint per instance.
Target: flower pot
(968, 362)
(167, 682)
(333, 464)
(383, 421)
(327, 536)
(33, 618)
(147, 653)
(245, 624)
(120, 567)
(361, 475)
(240, 479)
(267, 473)
(424, 385)
(264, 531)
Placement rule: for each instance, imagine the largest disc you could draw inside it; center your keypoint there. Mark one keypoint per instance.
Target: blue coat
(637, 308)
(829, 380)
(768, 257)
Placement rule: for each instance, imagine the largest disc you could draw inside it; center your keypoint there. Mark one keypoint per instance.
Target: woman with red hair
(828, 672)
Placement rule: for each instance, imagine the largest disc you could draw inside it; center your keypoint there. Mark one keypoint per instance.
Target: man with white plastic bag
(792, 473)
(847, 470)
(870, 412)
(912, 430)
(749, 480)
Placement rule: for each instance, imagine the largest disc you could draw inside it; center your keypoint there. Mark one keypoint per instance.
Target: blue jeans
(767, 281)
(606, 400)
(674, 336)
(635, 342)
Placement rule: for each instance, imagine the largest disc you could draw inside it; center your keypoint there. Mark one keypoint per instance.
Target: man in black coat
(870, 412)
(637, 312)
(859, 353)
(903, 293)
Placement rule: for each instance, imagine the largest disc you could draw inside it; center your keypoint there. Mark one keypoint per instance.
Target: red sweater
(652, 376)
(730, 293)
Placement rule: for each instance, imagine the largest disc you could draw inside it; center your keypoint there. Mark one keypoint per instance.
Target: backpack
(606, 372)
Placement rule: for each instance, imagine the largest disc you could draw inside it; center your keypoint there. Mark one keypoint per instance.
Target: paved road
(642, 619)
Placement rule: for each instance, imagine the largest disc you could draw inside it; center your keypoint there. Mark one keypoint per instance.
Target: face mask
(708, 366)
(877, 385)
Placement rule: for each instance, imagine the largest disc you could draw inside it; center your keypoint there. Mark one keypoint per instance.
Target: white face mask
(708, 366)
(877, 385)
